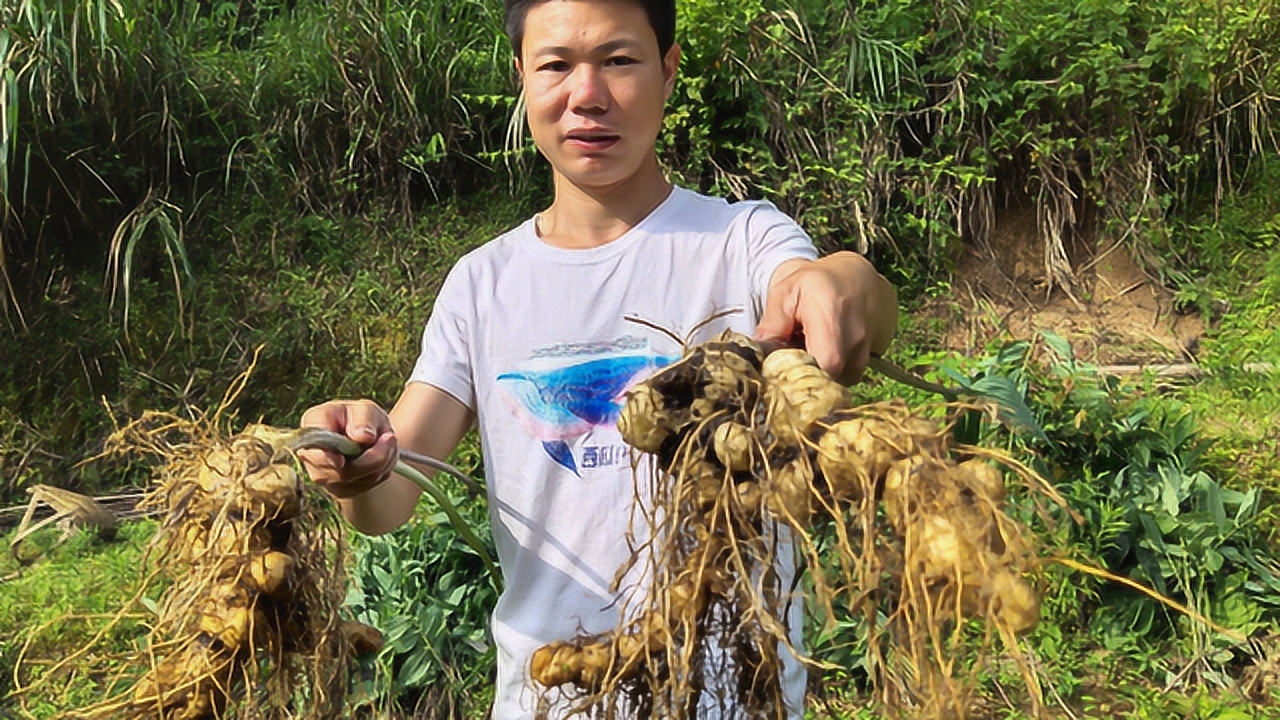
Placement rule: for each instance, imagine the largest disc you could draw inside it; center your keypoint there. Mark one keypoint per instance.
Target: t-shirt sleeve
(772, 239)
(446, 358)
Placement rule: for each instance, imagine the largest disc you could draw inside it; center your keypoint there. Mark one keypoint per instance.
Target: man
(529, 333)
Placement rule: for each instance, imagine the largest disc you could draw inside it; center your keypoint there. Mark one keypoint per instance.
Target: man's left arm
(846, 310)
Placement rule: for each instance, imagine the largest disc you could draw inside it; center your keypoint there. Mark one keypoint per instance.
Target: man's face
(595, 86)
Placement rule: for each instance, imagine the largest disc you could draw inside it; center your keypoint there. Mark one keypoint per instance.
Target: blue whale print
(558, 405)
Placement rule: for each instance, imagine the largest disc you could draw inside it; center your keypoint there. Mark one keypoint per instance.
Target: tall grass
(318, 105)
(92, 127)
(183, 181)
(900, 126)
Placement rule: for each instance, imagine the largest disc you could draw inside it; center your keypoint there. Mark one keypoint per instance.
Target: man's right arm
(425, 419)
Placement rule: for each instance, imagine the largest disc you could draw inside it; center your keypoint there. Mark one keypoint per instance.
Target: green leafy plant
(431, 596)
(1129, 463)
(58, 604)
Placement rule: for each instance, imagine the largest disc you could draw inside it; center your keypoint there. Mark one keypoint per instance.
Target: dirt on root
(1115, 314)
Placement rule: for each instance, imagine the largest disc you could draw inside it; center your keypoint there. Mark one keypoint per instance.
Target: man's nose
(589, 92)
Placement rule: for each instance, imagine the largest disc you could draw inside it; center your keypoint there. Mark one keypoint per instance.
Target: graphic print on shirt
(566, 390)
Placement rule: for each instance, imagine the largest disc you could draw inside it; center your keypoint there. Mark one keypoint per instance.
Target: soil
(1115, 314)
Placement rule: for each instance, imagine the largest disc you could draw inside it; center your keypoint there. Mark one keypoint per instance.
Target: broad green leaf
(1013, 409)
(415, 668)
(1213, 500)
(1153, 534)
(396, 633)
(1012, 353)
(1142, 455)
(1212, 562)
(1169, 493)
(1058, 345)
(960, 379)
(1181, 430)
(385, 580)
(1248, 505)
(1231, 497)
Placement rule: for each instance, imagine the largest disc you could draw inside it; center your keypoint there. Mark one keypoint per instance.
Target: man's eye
(620, 60)
(554, 66)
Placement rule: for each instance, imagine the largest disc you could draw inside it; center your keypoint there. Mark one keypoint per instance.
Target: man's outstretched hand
(844, 308)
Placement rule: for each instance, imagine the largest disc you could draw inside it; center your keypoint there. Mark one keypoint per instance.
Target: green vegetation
(223, 162)
(1234, 267)
(185, 186)
(430, 596)
(55, 608)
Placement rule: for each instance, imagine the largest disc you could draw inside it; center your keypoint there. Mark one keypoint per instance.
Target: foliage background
(216, 167)
(183, 182)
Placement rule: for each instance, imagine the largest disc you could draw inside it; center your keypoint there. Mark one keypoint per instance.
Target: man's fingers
(377, 458)
(855, 364)
(845, 309)
(823, 340)
(362, 420)
(321, 458)
(366, 424)
(786, 312)
(779, 319)
(362, 433)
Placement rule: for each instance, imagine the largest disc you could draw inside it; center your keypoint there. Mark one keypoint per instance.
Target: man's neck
(590, 217)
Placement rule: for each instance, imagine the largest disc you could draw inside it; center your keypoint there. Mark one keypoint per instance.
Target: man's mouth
(592, 140)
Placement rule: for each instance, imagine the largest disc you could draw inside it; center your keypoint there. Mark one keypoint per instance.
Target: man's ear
(519, 66)
(670, 64)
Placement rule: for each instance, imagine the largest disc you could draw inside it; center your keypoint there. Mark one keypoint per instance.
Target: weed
(334, 317)
(1230, 258)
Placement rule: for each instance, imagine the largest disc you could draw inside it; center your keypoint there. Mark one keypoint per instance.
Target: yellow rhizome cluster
(766, 487)
(248, 624)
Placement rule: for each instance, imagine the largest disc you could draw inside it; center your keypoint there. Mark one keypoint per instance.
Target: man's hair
(661, 13)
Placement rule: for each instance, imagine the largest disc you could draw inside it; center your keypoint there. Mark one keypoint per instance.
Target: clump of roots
(754, 455)
(249, 625)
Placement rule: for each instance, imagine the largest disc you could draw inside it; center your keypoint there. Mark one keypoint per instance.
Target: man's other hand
(369, 426)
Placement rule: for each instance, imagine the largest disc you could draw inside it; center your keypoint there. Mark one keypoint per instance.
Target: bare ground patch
(1116, 314)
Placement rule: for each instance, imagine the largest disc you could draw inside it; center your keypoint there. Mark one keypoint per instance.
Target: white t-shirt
(535, 340)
